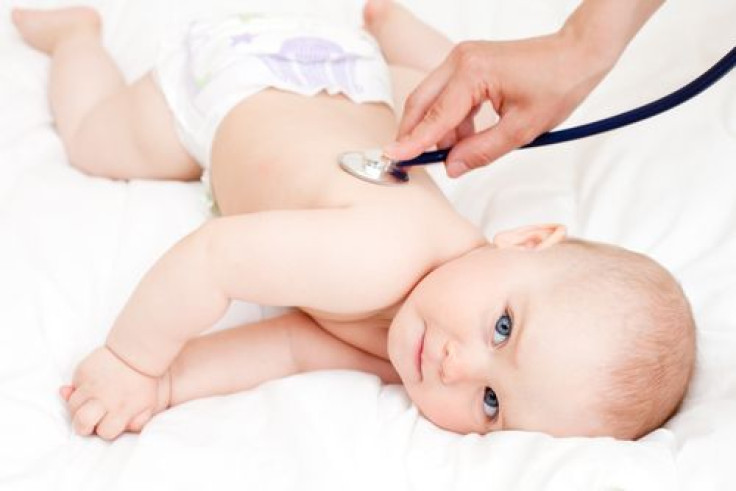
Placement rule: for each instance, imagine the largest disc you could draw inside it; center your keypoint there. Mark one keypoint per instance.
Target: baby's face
(492, 340)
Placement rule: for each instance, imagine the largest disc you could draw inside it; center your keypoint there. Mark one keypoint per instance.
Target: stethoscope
(373, 166)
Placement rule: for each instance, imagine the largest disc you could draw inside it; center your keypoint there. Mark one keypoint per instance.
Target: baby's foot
(44, 29)
(375, 14)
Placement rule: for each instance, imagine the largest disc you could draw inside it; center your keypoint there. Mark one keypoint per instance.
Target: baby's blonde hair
(645, 379)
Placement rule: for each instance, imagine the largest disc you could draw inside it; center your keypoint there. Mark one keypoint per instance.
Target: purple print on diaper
(310, 62)
(244, 38)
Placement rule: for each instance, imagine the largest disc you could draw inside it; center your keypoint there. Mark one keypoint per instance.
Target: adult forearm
(605, 27)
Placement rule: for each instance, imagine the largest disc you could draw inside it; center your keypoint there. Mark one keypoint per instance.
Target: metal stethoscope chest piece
(372, 166)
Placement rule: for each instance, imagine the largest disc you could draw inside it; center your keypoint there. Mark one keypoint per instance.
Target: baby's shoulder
(403, 244)
(439, 230)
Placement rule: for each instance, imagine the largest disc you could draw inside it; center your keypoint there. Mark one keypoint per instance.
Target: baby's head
(543, 333)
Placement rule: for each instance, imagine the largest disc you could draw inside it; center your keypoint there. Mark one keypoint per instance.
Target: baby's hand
(108, 397)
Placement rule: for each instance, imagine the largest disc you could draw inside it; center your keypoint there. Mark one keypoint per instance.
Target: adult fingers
(423, 96)
(465, 129)
(450, 108)
(478, 150)
(87, 417)
(111, 426)
(448, 140)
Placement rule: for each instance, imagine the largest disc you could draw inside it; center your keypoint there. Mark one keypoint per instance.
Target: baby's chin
(397, 342)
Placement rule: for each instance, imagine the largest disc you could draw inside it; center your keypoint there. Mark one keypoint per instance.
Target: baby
(532, 331)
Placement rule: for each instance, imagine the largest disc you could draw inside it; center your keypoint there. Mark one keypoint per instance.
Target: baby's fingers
(65, 391)
(137, 424)
(112, 425)
(77, 399)
(87, 417)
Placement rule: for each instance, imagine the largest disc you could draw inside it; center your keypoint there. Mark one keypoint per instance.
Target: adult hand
(532, 84)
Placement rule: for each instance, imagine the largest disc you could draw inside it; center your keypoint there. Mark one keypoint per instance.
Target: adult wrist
(605, 27)
(594, 50)
(584, 65)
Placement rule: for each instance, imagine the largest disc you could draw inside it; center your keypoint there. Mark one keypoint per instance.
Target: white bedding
(72, 248)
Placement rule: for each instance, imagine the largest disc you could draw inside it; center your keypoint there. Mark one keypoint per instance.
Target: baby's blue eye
(490, 403)
(503, 328)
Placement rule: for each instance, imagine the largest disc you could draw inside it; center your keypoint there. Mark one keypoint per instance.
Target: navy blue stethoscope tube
(711, 76)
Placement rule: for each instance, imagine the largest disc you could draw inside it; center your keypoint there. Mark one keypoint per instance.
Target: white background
(73, 247)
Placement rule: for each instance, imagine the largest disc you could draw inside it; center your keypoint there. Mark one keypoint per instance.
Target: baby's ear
(535, 237)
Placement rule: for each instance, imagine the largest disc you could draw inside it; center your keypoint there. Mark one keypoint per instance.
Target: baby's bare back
(278, 150)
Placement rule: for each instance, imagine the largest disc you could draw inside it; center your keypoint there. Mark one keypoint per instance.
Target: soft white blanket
(72, 248)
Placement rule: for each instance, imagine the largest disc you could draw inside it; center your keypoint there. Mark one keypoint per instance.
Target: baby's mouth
(420, 351)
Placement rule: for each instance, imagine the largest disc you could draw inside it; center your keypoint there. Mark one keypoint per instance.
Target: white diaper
(217, 64)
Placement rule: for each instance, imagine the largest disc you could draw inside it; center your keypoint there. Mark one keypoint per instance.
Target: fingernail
(456, 168)
(390, 149)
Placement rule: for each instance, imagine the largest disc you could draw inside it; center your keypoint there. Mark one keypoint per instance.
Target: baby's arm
(325, 260)
(335, 260)
(240, 358)
(237, 359)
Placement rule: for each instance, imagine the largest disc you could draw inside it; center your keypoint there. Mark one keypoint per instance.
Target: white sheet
(73, 247)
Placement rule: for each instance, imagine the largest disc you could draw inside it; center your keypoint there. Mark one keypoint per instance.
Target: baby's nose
(462, 364)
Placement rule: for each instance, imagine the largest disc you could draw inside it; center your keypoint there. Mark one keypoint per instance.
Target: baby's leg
(109, 129)
(404, 39)
(413, 49)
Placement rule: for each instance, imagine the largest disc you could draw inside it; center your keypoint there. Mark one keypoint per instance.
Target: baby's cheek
(441, 408)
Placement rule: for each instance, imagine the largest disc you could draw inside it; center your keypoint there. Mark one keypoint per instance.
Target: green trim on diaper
(250, 16)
